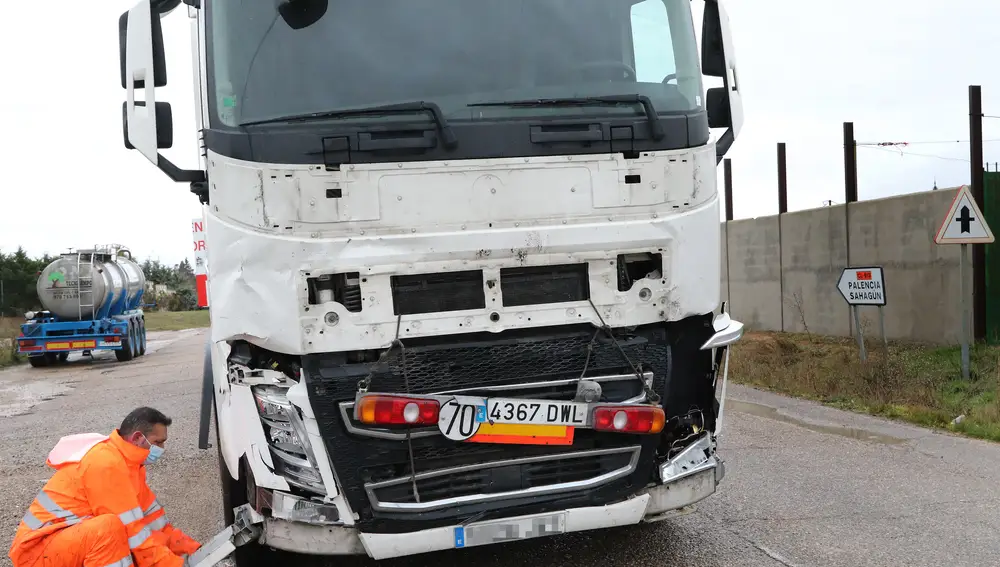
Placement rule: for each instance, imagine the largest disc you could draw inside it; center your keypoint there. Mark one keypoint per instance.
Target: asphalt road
(805, 485)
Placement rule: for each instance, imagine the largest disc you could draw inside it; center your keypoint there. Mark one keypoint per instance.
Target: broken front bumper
(685, 479)
(688, 478)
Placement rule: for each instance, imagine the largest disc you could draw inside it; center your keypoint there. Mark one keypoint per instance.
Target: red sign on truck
(200, 261)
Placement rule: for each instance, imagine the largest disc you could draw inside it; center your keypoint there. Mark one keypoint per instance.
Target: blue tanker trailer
(91, 301)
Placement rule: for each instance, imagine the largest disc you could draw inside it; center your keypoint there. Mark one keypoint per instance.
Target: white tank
(60, 287)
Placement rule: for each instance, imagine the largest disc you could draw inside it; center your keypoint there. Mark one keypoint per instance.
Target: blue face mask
(155, 452)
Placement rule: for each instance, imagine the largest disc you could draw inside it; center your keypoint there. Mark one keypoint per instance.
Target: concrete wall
(780, 273)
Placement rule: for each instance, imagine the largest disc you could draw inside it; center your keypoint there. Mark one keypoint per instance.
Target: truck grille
(482, 360)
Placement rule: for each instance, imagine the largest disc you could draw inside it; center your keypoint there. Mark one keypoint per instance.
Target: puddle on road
(18, 399)
(163, 339)
(849, 432)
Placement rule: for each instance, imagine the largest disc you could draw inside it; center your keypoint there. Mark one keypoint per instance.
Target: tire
(142, 337)
(126, 352)
(38, 361)
(63, 357)
(135, 338)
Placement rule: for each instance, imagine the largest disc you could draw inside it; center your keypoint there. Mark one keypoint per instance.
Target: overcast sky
(899, 69)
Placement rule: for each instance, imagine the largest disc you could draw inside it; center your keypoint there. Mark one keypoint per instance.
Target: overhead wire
(922, 142)
(904, 153)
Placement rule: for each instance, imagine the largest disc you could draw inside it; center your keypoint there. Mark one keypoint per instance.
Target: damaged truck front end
(437, 445)
(464, 279)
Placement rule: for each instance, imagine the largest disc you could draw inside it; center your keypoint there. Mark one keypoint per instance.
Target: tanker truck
(91, 301)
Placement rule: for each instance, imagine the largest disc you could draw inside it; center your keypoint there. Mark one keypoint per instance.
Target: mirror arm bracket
(177, 174)
(195, 177)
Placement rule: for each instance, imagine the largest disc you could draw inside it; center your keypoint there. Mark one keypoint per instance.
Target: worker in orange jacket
(97, 510)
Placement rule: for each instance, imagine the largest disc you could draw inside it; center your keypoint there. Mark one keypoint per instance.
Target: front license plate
(533, 412)
(503, 420)
(499, 531)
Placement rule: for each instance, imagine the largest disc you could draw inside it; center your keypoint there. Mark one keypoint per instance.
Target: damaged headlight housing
(289, 443)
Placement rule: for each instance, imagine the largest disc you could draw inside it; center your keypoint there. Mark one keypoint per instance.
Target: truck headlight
(288, 439)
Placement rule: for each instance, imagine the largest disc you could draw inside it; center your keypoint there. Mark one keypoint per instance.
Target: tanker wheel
(63, 357)
(142, 337)
(134, 329)
(126, 352)
(38, 361)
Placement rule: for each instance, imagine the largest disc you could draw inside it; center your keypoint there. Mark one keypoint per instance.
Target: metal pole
(861, 337)
(727, 172)
(782, 209)
(978, 250)
(850, 164)
(850, 190)
(881, 324)
(963, 260)
(782, 180)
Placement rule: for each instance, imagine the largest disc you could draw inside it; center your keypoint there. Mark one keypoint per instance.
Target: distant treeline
(19, 272)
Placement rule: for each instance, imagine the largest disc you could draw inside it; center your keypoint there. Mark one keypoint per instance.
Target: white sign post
(864, 286)
(964, 224)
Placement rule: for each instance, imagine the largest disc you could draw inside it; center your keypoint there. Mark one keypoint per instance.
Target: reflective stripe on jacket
(109, 477)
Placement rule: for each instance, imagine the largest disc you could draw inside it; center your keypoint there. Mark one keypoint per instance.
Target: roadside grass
(155, 321)
(8, 330)
(921, 384)
(176, 320)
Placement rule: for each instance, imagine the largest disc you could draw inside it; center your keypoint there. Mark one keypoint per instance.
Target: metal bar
(850, 164)
(978, 250)
(781, 273)
(727, 172)
(861, 338)
(963, 260)
(850, 194)
(782, 180)
(881, 324)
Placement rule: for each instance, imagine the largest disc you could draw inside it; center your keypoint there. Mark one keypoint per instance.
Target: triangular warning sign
(964, 223)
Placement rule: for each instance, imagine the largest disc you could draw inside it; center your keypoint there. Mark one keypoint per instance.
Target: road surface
(805, 484)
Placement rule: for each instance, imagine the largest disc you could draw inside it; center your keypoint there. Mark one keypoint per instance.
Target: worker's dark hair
(142, 419)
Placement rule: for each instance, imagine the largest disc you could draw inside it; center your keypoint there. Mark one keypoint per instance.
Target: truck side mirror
(155, 33)
(717, 105)
(140, 37)
(147, 125)
(164, 123)
(718, 59)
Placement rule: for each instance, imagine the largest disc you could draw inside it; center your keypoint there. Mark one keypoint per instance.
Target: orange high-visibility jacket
(97, 475)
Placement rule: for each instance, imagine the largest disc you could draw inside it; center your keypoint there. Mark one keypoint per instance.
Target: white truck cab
(464, 261)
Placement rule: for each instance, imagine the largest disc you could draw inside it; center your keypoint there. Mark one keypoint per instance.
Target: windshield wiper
(447, 134)
(655, 128)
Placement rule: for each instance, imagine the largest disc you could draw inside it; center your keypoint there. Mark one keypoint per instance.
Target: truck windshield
(454, 53)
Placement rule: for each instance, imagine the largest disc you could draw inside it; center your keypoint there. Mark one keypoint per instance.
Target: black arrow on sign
(965, 219)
